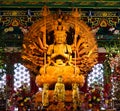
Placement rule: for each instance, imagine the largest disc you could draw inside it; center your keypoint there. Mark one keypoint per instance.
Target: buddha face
(45, 87)
(60, 37)
(60, 79)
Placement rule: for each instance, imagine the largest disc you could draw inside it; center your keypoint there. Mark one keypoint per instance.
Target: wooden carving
(59, 39)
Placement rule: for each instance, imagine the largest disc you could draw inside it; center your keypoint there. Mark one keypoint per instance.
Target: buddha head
(60, 35)
(60, 79)
(45, 86)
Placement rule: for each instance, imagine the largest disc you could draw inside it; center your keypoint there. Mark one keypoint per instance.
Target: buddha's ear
(72, 85)
(65, 34)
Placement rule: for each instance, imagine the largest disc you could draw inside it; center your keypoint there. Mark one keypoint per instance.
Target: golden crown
(60, 30)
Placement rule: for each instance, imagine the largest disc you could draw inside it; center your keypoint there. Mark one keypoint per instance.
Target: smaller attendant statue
(45, 95)
(75, 94)
(59, 91)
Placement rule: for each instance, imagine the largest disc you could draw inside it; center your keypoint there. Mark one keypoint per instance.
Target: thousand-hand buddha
(59, 57)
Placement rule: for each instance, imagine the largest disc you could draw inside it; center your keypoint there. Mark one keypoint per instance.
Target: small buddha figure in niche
(59, 91)
(60, 50)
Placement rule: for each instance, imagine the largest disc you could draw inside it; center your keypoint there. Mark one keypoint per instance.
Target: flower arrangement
(21, 98)
(115, 63)
(115, 66)
(114, 31)
(94, 97)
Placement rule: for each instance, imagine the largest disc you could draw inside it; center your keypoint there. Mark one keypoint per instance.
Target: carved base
(50, 74)
(38, 96)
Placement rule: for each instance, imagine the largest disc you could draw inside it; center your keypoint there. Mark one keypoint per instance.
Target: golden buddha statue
(75, 93)
(59, 50)
(59, 59)
(59, 91)
(45, 95)
(70, 52)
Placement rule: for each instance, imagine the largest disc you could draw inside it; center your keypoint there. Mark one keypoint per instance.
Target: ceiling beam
(60, 4)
